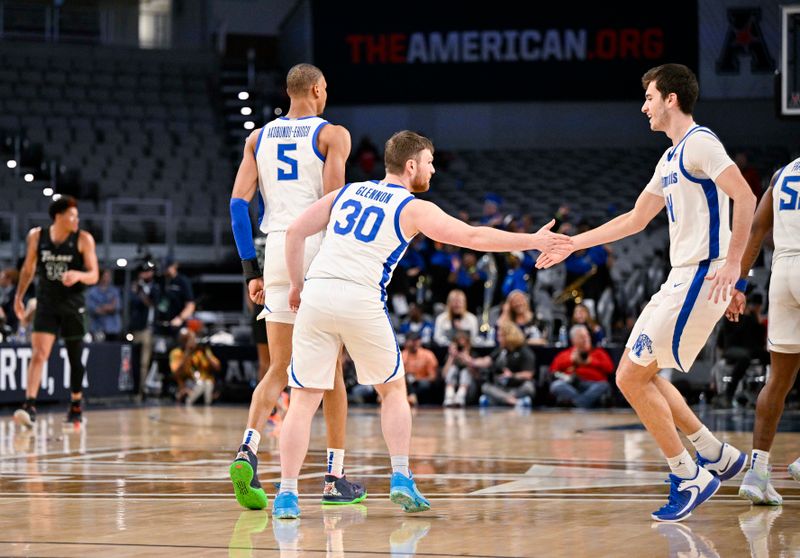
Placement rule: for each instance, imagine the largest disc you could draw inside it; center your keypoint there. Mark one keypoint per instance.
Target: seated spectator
(582, 316)
(511, 367)
(441, 265)
(417, 322)
(455, 318)
(422, 370)
(193, 367)
(467, 277)
(581, 372)
(519, 273)
(103, 305)
(517, 310)
(491, 215)
(458, 371)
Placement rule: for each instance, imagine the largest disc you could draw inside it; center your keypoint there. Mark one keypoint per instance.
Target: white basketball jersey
(363, 241)
(289, 169)
(786, 211)
(697, 210)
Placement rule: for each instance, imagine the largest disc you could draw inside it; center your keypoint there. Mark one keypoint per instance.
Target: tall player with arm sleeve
(292, 162)
(368, 228)
(695, 179)
(778, 210)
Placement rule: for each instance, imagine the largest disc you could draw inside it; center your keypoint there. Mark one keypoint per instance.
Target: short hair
(60, 205)
(674, 78)
(573, 331)
(300, 79)
(403, 146)
(514, 337)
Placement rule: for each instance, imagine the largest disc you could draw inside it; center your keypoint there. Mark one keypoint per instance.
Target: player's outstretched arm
(310, 222)
(646, 208)
(430, 220)
(335, 143)
(733, 183)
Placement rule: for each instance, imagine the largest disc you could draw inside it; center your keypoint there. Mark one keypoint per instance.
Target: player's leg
(41, 345)
(74, 348)
(337, 488)
(690, 485)
(756, 485)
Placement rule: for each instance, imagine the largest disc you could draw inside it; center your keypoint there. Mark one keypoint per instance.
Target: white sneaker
(794, 469)
(730, 463)
(757, 488)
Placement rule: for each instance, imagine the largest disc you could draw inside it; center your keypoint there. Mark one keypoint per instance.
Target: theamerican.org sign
(499, 51)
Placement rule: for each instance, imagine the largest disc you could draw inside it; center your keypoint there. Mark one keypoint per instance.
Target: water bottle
(562, 336)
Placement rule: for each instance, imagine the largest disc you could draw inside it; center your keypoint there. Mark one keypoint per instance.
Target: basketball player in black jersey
(65, 261)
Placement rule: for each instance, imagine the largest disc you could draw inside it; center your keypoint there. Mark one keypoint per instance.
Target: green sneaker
(244, 475)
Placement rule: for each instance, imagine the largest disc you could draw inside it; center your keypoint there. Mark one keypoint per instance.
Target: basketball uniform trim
(397, 345)
(339, 195)
(314, 140)
(390, 262)
(686, 309)
(258, 143)
(710, 190)
(291, 370)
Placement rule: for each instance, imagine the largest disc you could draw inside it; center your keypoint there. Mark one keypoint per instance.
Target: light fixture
(12, 164)
(246, 111)
(244, 95)
(28, 177)
(278, 111)
(122, 262)
(129, 337)
(249, 125)
(47, 192)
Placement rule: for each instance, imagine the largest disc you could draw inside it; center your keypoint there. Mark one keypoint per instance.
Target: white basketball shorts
(333, 313)
(676, 323)
(276, 276)
(783, 329)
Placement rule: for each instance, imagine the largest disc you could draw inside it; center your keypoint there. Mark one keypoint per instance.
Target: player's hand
(70, 277)
(255, 288)
(550, 242)
(736, 306)
(19, 308)
(294, 298)
(723, 281)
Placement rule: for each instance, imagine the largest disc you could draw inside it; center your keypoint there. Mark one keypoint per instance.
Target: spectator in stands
(176, 303)
(103, 303)
(582, 316)
(145, 292)
(455, 318)
(749, 172)
(404, 282)
(458, 371)
(422, 370)
(442, 262)
(417, 322)
(519, 273)
(741, 342)
(517, 310)
(193, 366)
(581, 372)
(9, 278)
(512, 369)
(491, 216)
(466, 276)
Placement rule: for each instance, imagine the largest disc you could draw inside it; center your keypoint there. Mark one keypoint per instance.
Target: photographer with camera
(193, 365)
(581, 371)
(176, 304)
(458, 371)
(145, 293)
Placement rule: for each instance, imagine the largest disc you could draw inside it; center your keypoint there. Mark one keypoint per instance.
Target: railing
(22, 20)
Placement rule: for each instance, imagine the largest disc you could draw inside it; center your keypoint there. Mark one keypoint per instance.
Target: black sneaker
(340, 491)
(26, 415)
(75, 413)
(244, 475)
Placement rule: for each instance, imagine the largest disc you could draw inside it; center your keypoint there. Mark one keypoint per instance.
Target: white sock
(706, 444)
(289, 485)
(683, 465)
(400, 465)
(335, 462)
(251, 439)
(759, 460)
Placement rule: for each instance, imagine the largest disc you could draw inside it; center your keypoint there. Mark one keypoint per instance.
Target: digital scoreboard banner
(441, 52)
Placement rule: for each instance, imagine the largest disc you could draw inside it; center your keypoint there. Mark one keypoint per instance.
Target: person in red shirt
(422, 369)
(581, 371)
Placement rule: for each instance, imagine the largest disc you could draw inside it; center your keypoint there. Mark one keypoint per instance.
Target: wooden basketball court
(153, 482)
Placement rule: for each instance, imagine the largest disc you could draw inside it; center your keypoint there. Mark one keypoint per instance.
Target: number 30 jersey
(786, 211)
(363, 241)
(289, 169)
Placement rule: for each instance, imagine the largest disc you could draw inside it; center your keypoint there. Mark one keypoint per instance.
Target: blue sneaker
(404, 491)
(286, 506)
(686, 494)
(730, 463)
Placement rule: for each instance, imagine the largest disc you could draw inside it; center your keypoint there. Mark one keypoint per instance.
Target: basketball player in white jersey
(292, 162)
(369, 225)
(778, 210)
(695, 179)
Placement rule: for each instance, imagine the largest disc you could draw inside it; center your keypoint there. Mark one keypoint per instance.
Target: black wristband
(251, 269)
